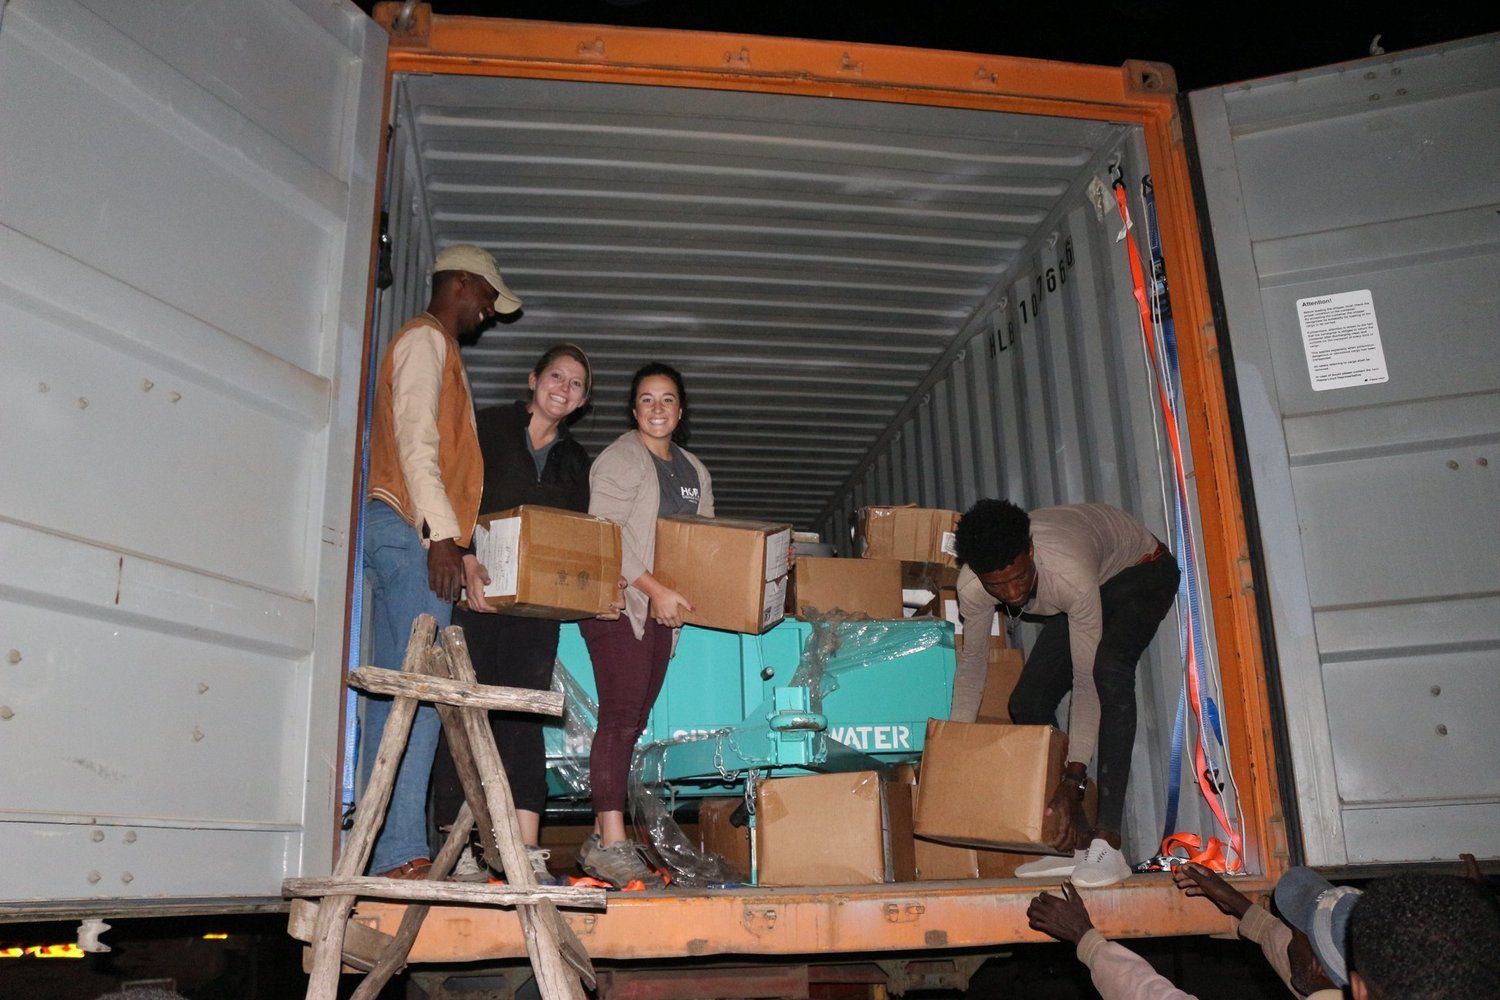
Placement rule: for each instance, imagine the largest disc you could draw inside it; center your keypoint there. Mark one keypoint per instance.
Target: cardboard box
(855, 586)
(987, 785)
(834, 829)
(717, 835)
(733, 572)
(912, 534)
(999, 680)
(549, 563)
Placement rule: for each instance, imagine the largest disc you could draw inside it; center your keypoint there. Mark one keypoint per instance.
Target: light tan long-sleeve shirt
(1076, 549)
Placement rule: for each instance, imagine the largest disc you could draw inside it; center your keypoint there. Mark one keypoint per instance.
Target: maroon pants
(628, 673)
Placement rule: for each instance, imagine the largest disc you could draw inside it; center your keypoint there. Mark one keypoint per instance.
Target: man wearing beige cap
(426, 475)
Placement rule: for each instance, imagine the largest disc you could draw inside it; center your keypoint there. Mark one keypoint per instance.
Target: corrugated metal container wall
(1048, 400)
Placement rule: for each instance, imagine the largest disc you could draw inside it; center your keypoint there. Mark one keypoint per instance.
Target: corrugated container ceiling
(807, 263)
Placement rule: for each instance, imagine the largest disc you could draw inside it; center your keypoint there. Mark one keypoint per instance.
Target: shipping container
(889, 275)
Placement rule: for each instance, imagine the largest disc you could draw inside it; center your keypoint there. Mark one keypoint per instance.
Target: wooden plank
(446, 691)
(333, 913)
(427, 891)
(557, 977)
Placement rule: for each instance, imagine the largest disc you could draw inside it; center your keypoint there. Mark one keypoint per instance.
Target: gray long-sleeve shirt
(1076, 549)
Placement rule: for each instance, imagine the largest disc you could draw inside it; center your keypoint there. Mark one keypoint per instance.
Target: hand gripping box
(733, 572)
(549, 563)
(988, 785)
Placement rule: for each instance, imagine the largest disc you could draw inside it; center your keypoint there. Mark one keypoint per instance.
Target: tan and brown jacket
(424, 451)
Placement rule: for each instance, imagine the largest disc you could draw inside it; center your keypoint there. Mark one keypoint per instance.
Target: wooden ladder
(443, 675)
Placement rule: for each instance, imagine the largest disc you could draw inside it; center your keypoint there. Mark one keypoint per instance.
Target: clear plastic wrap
(580, 719)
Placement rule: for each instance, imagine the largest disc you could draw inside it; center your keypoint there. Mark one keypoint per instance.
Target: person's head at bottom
(1318, 913)
(1424, 937)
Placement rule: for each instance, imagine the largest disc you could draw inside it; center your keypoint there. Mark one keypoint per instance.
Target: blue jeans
(396, 566)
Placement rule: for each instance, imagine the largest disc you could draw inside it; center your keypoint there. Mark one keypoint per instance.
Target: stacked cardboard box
(549, 563)
(733, 572)
(855, 586)
(911, 534)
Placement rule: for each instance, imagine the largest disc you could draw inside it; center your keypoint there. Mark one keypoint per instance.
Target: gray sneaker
(618, 864)
(468, 868)
(538, 857)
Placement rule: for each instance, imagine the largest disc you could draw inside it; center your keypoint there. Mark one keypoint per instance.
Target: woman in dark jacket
(529, 458)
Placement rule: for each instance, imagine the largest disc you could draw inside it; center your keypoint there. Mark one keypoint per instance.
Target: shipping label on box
(833, 829)
(913, 534)
(549, 563)
(987, 785)
(733, 572)
(855, 586)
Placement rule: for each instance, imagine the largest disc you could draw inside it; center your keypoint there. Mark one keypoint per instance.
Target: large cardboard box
(718, 835)
(863, 586)
(834, 829)
(733, 572)
(999, 680)
(913, 534)
(987, 785)
(549, 563)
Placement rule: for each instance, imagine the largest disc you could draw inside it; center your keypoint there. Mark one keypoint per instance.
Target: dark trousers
(1135, 600)
(513, 652)
(628, 673)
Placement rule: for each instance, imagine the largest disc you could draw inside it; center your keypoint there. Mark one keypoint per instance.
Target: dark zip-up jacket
(510, 478)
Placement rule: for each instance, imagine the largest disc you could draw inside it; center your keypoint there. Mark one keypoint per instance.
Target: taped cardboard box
(717, 833)
(911, 534)
(733, 572)
(855, 586)
(549, 563)
(1000, 678)
(987, 785)
(834, 829)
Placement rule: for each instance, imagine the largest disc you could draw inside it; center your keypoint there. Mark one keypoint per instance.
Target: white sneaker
(1101, 866)
(1049, 867)
(468, 868)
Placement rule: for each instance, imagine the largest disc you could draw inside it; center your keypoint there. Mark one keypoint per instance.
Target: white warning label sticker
(1342, 340)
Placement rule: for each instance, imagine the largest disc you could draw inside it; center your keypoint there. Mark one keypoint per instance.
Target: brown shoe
(413, 870)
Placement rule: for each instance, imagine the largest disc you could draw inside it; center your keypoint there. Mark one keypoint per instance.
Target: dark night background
(1207, 43)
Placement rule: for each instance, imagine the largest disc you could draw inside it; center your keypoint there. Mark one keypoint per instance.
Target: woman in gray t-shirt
(644, 474)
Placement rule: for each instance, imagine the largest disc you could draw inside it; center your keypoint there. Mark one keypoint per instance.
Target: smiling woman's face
(657, 407)
(559, 389)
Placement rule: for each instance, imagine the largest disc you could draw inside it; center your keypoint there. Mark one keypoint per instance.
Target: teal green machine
(830, 695)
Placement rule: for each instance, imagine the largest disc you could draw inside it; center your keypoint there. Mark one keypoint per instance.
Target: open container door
(186, 228)
(1352, 210)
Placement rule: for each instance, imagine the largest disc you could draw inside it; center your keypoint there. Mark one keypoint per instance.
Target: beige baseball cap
(477, 260)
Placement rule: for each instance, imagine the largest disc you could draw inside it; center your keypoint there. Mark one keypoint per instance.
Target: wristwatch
(1080, 781)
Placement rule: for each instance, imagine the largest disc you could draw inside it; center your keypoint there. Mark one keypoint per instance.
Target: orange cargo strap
(1205, 783)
